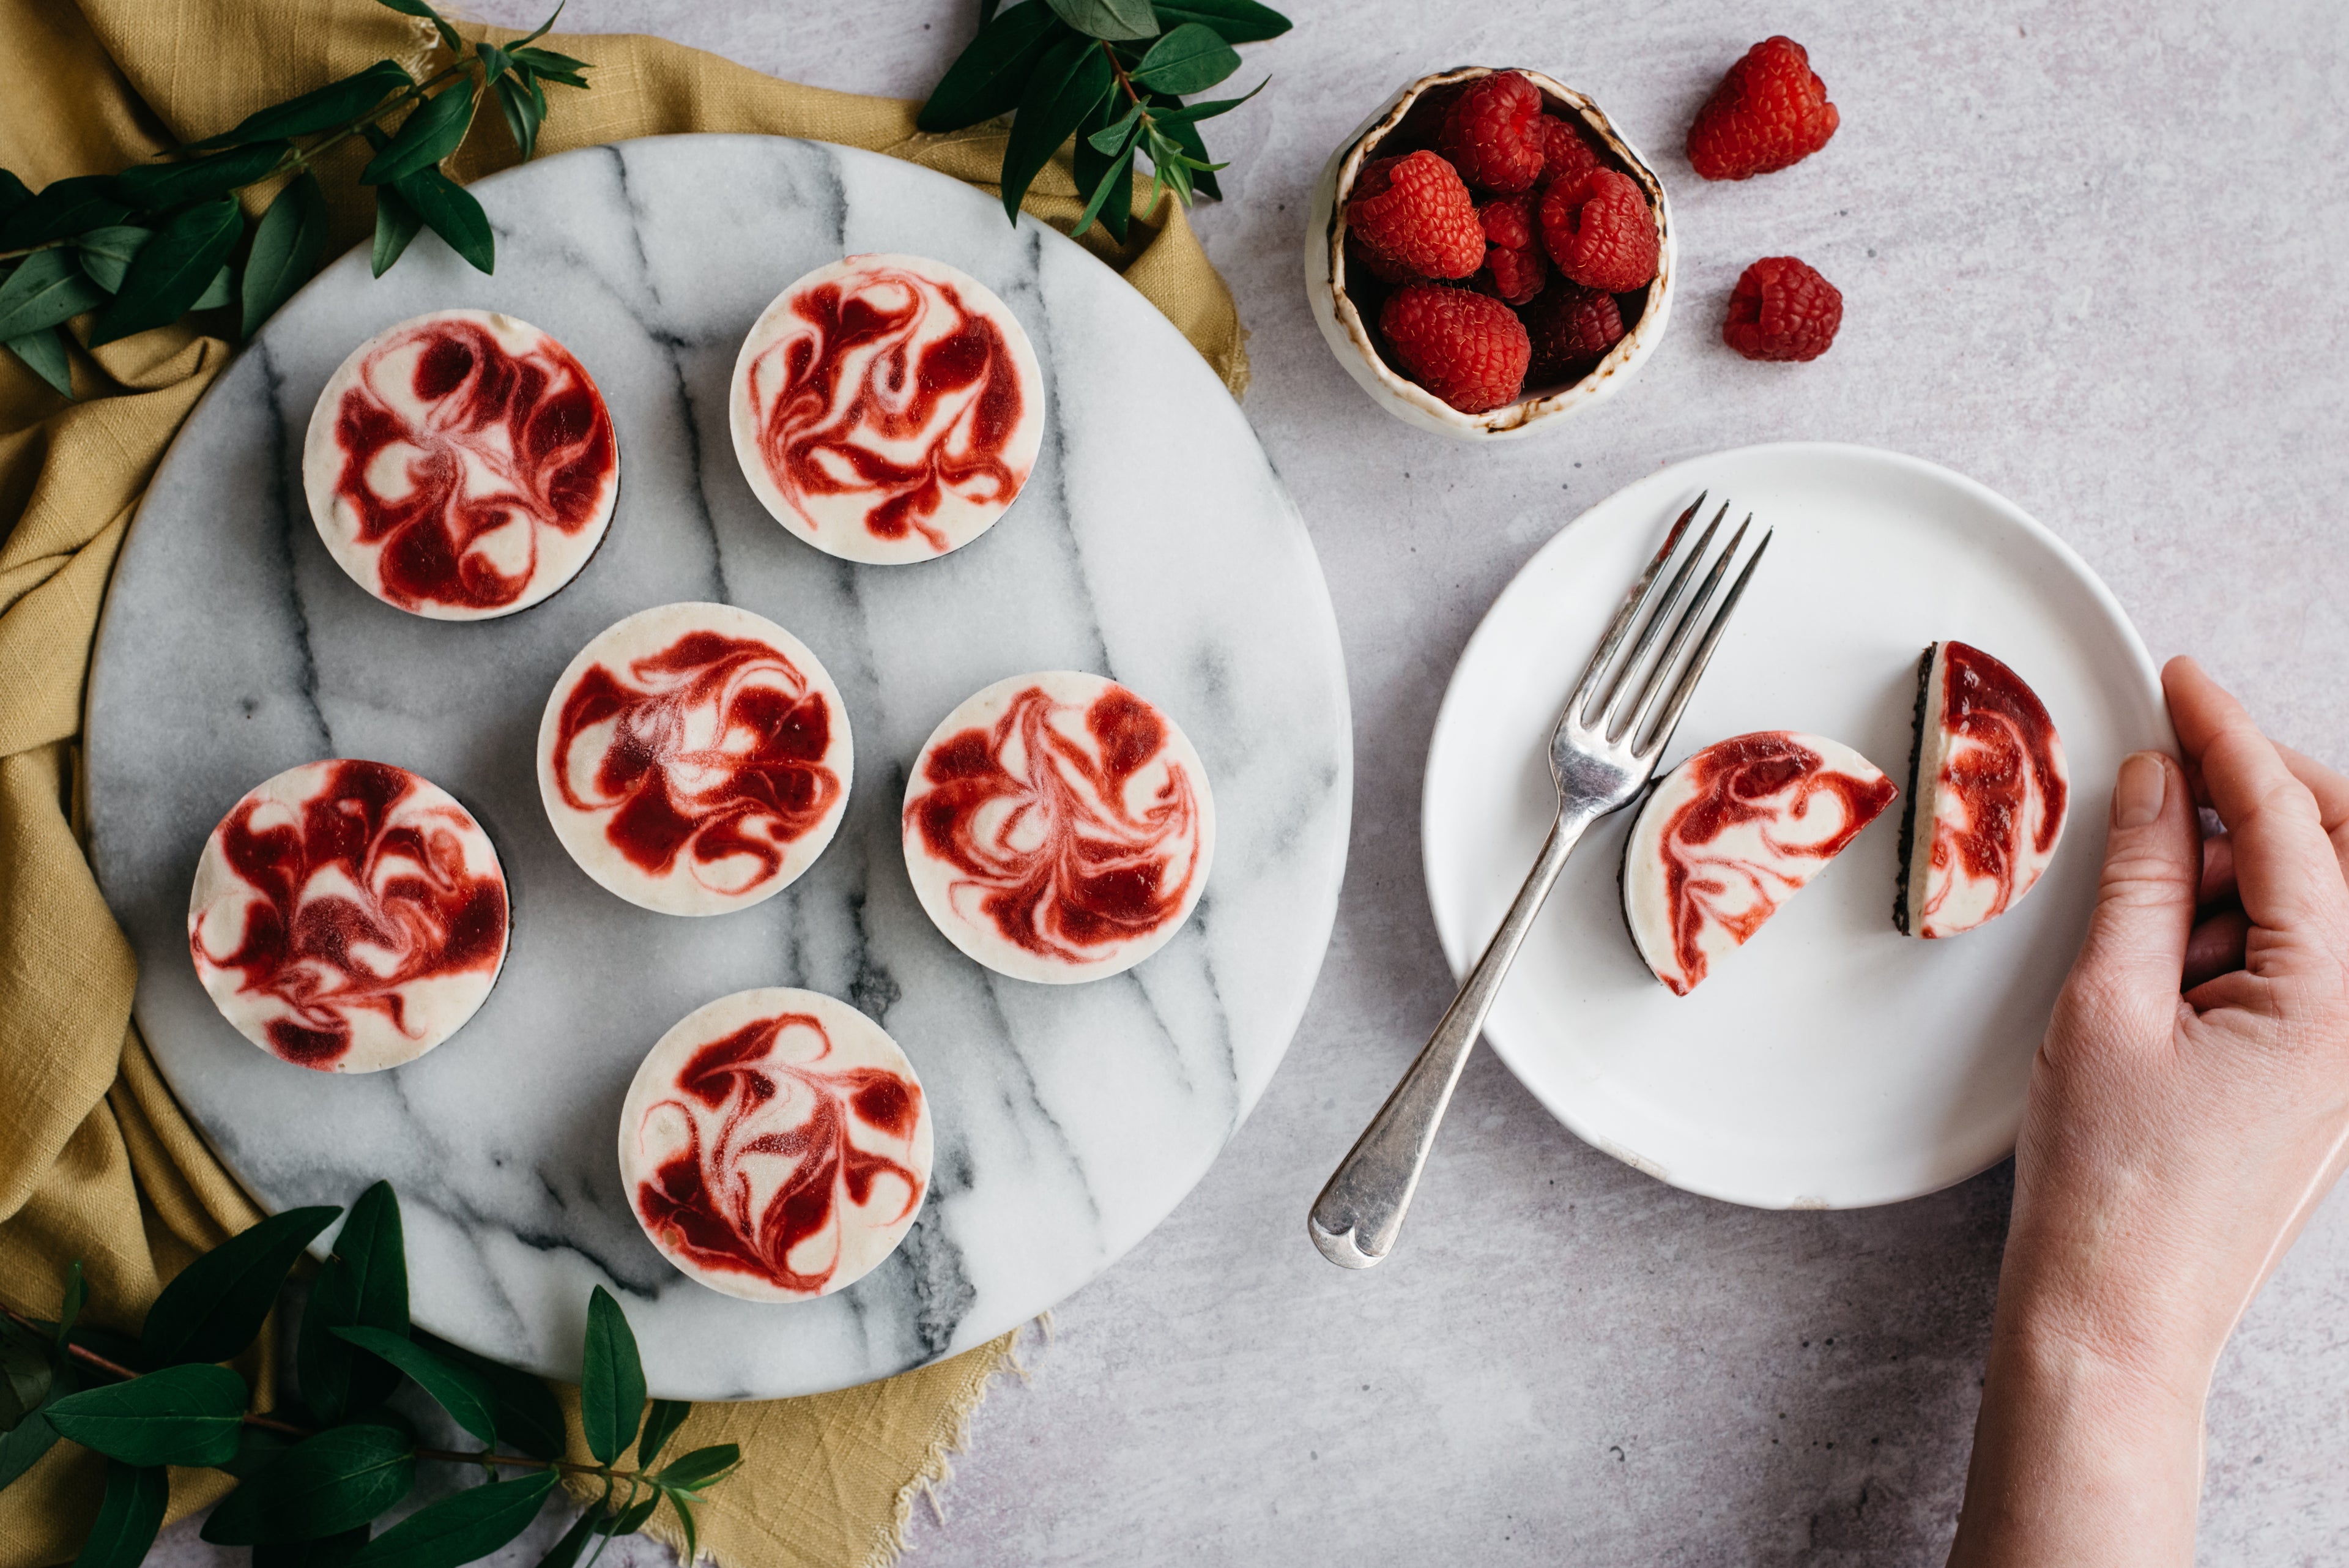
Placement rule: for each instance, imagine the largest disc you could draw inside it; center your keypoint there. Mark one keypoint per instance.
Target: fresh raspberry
(1600, 231)
(1493, 134)
(1570, 329)
(1467, 348)
(1568, 155)
(1515, 267)
(1782, 309)
(1770, 111)
(1414, 211)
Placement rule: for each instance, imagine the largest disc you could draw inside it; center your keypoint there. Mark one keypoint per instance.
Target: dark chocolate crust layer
(1623, 873)
(1908, 806)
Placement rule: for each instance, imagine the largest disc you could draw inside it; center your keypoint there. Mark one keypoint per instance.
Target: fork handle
(1355, 1220)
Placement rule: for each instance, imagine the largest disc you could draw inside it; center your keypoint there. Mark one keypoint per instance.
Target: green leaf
(63, 207)
(76, 1294)
(217, 293)
(661, 1423)
(257, 1449)
(285, 249)
(460, 1528)
(464, 1395)
(45, 354)
(450, 210)
(496, 62)
(419, 8)
(337, 1480)
(528, 1417)
(1191, 114)
(697, 1470)
(425, 137)
(988, 77)
(24, 1376)
(1234, 21)
(676, 1499)
(395, 224)
(1104, 168)
(22, 1445)
(541, 30)
(364, 1283)
(524, 108)
(170, 276)
(1185, 137)
(1192, 59)
(328, 108)
(327, 1552)
(13, 194)
(565, 1550)
(554, 67)
(105, 253)
(1073, 77)
(987, 11)
(128, 1517)
(189, 1415)
(213, 1307)
(45, 289)
(611, 1380)
(1108, 18)
(630, 1519)
(151, 186)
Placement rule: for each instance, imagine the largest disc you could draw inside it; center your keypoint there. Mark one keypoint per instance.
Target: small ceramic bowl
(1354, 339)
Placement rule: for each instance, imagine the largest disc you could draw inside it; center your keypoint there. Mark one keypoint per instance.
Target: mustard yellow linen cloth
(97, 1160)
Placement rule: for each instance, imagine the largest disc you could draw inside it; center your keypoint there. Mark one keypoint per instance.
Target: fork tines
(1633, 702)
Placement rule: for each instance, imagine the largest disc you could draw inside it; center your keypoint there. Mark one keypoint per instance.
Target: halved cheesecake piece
(887, 409)
(1731, 835)
(461, 465)
(1988, 792)
(348, 916)
(776, 1145)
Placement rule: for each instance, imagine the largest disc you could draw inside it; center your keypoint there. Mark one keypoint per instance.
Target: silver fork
(1601, 755)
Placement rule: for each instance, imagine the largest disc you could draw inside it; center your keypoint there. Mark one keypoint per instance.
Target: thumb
(2135, 955)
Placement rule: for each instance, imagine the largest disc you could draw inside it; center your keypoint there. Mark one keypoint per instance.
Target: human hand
(2189, 1109)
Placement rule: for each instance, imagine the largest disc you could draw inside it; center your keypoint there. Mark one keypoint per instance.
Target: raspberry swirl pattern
(1731, 835)
(1057, 827)
(461, 465)
(1992, 791)
(776, 1145)
(887, 409)
(348, 916)
(694, 758)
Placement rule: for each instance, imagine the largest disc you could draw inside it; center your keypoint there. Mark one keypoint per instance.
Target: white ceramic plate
(1831, 1061)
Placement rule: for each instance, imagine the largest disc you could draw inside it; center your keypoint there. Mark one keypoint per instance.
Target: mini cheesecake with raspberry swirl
(348, 916)
(695, 758)
(1057, 827)
(776, 1145)
(1731, 835)
(887, 409)
(461, 465)
(1988, 793)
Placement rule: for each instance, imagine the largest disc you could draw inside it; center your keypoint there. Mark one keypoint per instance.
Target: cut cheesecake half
(1988, 792)
(1731, 835)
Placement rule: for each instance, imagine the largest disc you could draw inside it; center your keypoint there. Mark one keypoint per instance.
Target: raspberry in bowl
(1487, 254)
(887, 409)
(461, 465)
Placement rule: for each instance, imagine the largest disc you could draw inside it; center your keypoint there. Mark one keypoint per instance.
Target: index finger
(2287, 869)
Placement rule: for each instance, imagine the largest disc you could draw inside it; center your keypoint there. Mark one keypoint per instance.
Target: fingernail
(2137, 792)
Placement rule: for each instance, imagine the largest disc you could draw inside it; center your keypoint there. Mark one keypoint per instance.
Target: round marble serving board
(1153, 543)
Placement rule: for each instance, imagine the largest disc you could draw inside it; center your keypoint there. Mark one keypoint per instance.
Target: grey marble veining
(1069, 1119)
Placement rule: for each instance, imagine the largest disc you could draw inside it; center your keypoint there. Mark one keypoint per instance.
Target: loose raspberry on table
(1571, 329)
(1492, 133)
(1770, 111)
(1467, 348)
(1782, 309)
(1415, 211)
(1515, 267)
(1567, 154)
(1600, 231)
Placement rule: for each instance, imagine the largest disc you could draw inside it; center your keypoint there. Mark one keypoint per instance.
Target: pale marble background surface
(2098, 261)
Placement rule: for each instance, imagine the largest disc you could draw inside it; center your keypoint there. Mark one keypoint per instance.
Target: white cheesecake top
(775, 1145)
(887, 408)
(461, 465)
(1057, 827)
(1731, 835)
(694, 758)
(348, 916)
(1992, 792)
